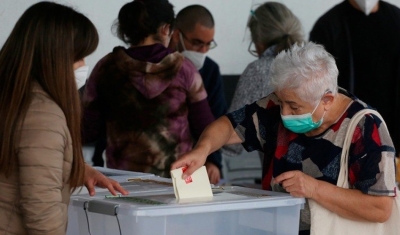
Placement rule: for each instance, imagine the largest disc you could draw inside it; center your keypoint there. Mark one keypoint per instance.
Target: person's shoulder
(355, 101)
(105, 60)
(251, 68)
(334, 13)
(356, 106)
(44, 120)
(268, 102)
(255, 63)
(188, 67)
(264, 60)
(44, 109)
(210, 62)
(262, 64)
(390, 7)
(209, 67)
(188, 73)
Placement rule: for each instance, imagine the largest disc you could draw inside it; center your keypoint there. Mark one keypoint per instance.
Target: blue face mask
(301, 123)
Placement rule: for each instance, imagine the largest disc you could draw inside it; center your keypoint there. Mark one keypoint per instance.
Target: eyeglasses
(198, 44)
(252, 51)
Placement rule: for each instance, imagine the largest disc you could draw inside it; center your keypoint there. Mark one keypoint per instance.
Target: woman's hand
(95, 178)
(297, 183)
(193, 160)
(217, 134)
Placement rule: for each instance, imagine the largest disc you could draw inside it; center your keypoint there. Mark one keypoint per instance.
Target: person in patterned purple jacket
(149, 101)
(300, 127)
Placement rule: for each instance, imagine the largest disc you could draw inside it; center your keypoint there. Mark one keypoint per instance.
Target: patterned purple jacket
(150, 103)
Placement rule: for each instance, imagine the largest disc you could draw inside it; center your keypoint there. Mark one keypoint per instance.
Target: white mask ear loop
(326, 92)
(181, 40)
(316, 107)
(323, 115)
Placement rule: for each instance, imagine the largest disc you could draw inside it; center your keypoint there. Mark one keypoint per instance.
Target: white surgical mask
(197, 58)
(366, 5)
(81, 75)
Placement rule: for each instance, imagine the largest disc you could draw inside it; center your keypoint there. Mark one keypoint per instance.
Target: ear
(327, 100)
(165, 29)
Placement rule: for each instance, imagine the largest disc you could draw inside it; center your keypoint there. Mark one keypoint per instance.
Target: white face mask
(366, 5)
(197, 58)
(81, 75)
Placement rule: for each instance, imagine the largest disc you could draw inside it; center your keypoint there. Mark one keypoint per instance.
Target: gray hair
(272, 23)
(308, 69)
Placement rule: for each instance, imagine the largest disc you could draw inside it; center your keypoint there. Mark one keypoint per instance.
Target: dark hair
(141, 18)
(272, 23)
(43, 46)
(189, 16)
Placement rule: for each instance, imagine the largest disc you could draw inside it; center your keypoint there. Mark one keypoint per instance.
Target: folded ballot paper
(196, 186)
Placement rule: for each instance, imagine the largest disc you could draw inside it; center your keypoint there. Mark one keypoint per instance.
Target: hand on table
(95, 178)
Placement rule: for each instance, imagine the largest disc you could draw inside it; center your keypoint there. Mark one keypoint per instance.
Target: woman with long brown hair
(40, 146)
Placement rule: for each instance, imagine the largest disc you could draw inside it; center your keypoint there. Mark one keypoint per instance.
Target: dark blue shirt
(212, 80)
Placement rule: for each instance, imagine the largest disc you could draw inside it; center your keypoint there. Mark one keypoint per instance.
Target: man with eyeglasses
(193, 37)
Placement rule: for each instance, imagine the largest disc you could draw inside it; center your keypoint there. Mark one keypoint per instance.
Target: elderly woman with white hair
(300, 127)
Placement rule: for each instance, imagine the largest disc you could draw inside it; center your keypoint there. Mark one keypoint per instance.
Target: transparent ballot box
(232, 210)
